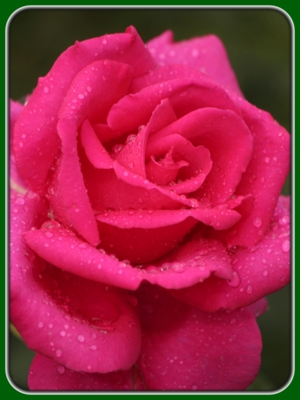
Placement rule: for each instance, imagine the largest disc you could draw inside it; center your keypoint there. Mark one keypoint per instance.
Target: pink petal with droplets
(258, 270)
(207, 54)
(192, 262)
(185, 95)
(186, 349)
(265, 174)
(132, 155)
(138, 181)
(16, 181)
(46, 374)
(46, 100)
(67, 318)
(84, 99)
(94, 150)
(67, 193)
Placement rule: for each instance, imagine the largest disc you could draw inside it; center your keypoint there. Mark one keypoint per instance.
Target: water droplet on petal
(46, 89)
(130, 138)
(80, 338)
(20, 200)
(58, 352)
(48, 234)
(249, 289)
(235, 280)
(257, 222)
(61, 369)
(286, 246)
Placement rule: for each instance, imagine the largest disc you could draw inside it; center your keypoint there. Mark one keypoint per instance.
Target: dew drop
(48, 234)
(40, 324)
(46, 89)
(58, 352)
(257, 222)
(61, 369)
(130, 138)
(284, 220)
(249, 289)
(235, 280)
(117, 148)
(20, 201)
(285, 246)
(62, 333)
(93, 347)
(80, 338)
(267, 160)
(265, 273)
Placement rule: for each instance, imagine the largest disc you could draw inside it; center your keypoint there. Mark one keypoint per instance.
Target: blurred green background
(258, 42)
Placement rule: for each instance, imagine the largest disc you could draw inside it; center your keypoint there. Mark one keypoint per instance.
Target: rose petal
(132, 155)
(149, 219)
(61, 309)
(85, 97)
(206, 53)
(46, 100)
(142, 245)
(265, 174)
(94, 150)
(258, 271)
(171, 199)
(165, 171)
(185, 96)
(191, 263)
(68, 197)
(16, 181)
(67, 193)
(186, 349)
(45, 374)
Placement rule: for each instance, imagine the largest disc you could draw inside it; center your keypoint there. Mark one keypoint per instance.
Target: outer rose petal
(186, 349)
(67, 318)
(192, 262)
(258, 270)
(265, 175)
(46, 374)
(206, 54)
(46, 100)
(16, 182)
(67, 194)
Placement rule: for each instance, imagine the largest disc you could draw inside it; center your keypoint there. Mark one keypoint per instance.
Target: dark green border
(10, 8)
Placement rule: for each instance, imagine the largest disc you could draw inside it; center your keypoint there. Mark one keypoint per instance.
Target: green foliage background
(258, 42)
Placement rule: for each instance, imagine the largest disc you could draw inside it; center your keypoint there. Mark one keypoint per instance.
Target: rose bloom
(146, 221)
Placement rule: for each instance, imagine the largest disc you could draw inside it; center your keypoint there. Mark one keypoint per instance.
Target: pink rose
(152, 227)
